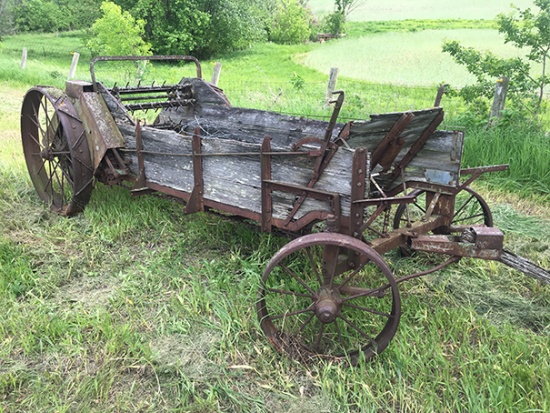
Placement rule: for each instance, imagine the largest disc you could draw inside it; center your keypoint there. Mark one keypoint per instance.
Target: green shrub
(291, 23)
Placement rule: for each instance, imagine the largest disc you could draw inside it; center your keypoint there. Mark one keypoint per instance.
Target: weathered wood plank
(235, 180)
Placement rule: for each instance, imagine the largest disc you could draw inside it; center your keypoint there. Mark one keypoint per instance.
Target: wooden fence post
(331, 86)
(24, 58)
(216, 73)
(74, 64)
(501, 89)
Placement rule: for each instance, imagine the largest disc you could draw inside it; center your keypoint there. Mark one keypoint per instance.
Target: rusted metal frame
(196, 200)
(322, 161)
(189, 155)
(324, 156)
(487, 244)
(267, 199)
(294, 226)
(417, 146)
(159, 105)
(388, 149)
(359, 171)
(400, 236)
(440, 92)
(186, 88)
(450, 261)
(406, 199)
(477, 172)
(440, 204)
(425, 186)
(138, 58)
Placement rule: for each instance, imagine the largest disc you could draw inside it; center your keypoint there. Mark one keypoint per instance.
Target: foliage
(200, 27)
(291, 22)
(233, 25)
(54, 15)
(530, 30)
(117, 33)
(172, 27)
(334, 23)
(346, 7)
(7, 23)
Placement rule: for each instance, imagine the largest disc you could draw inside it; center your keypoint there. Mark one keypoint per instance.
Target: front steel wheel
(328, 296)
(56, 150)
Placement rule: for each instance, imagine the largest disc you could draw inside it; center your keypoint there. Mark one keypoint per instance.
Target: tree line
(200, 27)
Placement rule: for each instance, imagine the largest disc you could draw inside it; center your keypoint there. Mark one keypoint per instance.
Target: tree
(7, 23)
(117, 33)
(530, 30)
(54, 15)
(346, 7)
(291, 22)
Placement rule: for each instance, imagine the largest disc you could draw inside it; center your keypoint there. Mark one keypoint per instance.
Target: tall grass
(526, 151)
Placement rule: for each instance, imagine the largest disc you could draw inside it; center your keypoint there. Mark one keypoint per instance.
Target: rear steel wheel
(330, 296)
(470, 209)
(56, 150)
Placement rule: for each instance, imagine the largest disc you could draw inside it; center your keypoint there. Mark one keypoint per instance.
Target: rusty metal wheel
(331, 296)
(56, 150)
(470, 209)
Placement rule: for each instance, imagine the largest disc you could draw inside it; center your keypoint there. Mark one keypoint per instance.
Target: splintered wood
(231, 140)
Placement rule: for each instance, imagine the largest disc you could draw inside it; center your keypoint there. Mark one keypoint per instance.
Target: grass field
(133, 306)
(422, 9)
(405, 58)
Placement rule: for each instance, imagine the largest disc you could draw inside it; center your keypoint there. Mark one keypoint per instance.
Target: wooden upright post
(501, 89)
(24, 58)
(331, 86)
(216, 73)
(74, 64)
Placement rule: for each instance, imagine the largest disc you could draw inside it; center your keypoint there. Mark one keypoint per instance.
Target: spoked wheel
(470, 209)
(56, 151)
(312, 303)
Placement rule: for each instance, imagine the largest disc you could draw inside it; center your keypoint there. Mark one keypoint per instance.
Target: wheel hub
(327, 305)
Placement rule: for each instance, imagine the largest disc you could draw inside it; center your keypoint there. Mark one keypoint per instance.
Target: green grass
(132, 306)
(406, 58)
(373, 10)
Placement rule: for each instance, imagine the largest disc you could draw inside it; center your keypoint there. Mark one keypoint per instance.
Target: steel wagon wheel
(470, 209)
(313, 304)
(56, 151)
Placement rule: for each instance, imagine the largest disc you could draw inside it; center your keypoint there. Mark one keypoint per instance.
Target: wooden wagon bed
(400, 145)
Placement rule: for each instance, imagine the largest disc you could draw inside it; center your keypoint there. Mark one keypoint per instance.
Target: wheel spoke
(319, 337)
(468, 218)
(314, 266)
(340, 338)
(368, 310)
(352, 325)
(300, 281)
(353, 274)
(302, 326)
(367, 293)
(278, 316)
(462, 208)
(284, 292)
